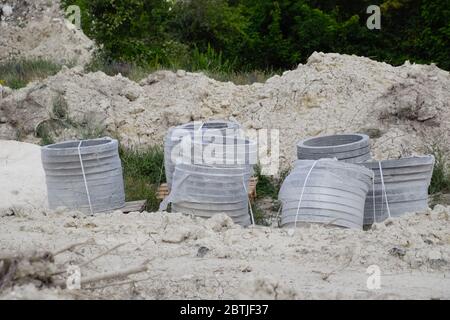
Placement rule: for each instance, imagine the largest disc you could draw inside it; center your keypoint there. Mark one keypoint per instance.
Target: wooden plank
(163, 190)
(134, 206)
(252, 188)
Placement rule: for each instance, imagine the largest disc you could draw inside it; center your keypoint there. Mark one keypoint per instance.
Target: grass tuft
(440, 181)
(268, 186)
(60, 108)
(17, 74)
(260, 217)
(212, 65)
(143, 173)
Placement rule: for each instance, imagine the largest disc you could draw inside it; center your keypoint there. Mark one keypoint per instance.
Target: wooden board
(163, 190)
(134, 206)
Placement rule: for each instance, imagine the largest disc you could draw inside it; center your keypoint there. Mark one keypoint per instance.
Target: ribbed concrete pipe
(175, 135)
(334, 193)
(103, 172)
(205, 191)
(229, 152)
(351, 148)
(406, 181)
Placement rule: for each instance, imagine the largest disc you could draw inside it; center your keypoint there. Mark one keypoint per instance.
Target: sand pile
(37, 29)
(22, 178)
(215, 259)
(402, 108)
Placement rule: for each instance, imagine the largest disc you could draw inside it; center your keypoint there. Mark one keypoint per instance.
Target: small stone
(225, 104)
(137, 110)
(397, 252)
(7, 10)
(90, 225)
(434, 255)
(181, 73)
(176, 235)
(202, 251)
(389, 222)
(206, 112)
(220, 222)
(5, 92)
(132, 95)
(247, 269)
(70, 224)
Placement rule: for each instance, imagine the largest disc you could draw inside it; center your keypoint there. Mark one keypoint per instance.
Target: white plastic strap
(84, 177)
(249, 202)
(176, 183)
(373, 197)
(303, 191)
(201, 127)
(384, 189)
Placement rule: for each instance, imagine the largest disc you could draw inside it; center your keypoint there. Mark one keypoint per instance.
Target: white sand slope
(22, 179)
(192, 258)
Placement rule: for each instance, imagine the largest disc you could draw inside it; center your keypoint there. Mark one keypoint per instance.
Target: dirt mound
(215, 259)
(37, 29)
(22, 183)
(402, 108)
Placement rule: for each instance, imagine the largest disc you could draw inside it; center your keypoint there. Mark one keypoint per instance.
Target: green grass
(213, 70)
(269, 186)
(17, 74)
(60, 108)
(44, 132)
(260, 217)
(143, 173)
(242, 78)
(440, 181)
(89, 127)
(112, 68)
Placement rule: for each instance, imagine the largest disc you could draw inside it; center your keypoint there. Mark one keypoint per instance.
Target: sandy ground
(192, 258)
(22, 178)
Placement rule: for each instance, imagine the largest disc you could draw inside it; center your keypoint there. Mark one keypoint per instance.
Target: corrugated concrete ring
(175, 134)
(205, 191)
(352, 148)
(332, 192)
(103, 172)
(406, 183)
(334, 143)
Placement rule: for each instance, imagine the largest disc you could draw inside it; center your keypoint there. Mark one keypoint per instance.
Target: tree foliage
(264, 34)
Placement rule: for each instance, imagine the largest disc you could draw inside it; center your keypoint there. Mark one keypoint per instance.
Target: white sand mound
(37, 29)
(215, 259)
(22, 178)
(403, 108)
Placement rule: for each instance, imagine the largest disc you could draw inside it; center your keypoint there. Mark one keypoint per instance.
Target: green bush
(230, 35)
